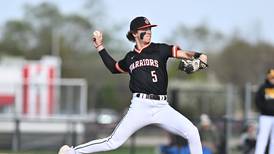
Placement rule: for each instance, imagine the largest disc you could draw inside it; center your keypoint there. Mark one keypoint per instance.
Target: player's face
(271, 80)
(144, 35)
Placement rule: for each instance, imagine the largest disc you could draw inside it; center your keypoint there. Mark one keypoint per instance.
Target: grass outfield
(139, 150)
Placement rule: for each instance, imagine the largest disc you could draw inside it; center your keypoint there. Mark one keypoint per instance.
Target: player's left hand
(191, 65)
(203, 61)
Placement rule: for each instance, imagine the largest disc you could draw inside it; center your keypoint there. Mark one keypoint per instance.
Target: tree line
(44, 30)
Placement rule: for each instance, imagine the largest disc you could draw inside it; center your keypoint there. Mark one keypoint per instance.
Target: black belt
(151, 96)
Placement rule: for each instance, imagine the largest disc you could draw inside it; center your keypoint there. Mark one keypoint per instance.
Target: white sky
(253, 17)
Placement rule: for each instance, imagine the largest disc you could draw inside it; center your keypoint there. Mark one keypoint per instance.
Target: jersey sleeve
(259, 98)
(122, 65)
(113, 66)
(169, 50)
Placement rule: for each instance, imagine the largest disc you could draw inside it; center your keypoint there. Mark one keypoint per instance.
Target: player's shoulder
(130, 53)
(161, 46)
(158, 44)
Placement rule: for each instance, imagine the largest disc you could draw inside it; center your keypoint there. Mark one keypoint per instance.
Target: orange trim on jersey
(174, 51)
(139, 51)
(119, 68)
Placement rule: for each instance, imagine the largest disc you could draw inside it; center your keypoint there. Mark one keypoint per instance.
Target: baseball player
(265, 104)
(146, 66)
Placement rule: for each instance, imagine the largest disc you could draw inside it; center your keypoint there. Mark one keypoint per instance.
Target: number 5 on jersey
(154, 76)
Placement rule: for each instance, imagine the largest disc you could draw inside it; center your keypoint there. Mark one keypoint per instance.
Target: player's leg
(271, 146)
(176, 123)
(135, 119)
(263, 135)
(122, 132)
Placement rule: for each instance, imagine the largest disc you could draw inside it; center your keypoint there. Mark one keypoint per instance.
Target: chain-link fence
(229, 108)
(36, 115)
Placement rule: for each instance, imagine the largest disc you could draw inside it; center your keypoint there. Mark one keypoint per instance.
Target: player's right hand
(97, 39)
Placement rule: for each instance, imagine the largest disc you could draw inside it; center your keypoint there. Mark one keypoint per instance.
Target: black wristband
(197, 55)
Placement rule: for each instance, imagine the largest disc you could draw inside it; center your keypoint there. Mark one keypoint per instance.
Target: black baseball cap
(140, 23)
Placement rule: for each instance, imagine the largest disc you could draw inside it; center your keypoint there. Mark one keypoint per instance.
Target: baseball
(96, 33)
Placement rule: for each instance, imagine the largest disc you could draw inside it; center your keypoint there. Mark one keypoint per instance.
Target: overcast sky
(254, 18)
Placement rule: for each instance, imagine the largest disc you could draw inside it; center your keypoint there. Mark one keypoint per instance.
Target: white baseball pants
(143, 112)
(266, 129)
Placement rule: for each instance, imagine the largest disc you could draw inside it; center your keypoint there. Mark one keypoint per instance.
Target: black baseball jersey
(265, 98)
(146, 67)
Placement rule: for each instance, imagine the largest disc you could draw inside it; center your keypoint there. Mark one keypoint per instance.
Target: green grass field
(139, 150)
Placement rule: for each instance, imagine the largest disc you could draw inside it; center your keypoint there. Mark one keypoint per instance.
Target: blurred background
(55, 90)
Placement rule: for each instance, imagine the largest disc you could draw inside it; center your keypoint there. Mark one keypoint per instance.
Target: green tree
(43, 18)
(17, 38)
(200, 38)
(44, 30)
(241, 62)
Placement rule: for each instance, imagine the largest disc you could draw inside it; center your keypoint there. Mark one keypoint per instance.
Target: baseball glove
(191, 65)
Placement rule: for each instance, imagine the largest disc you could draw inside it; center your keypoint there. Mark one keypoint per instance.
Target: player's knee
(194, 133)
(114, 144)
